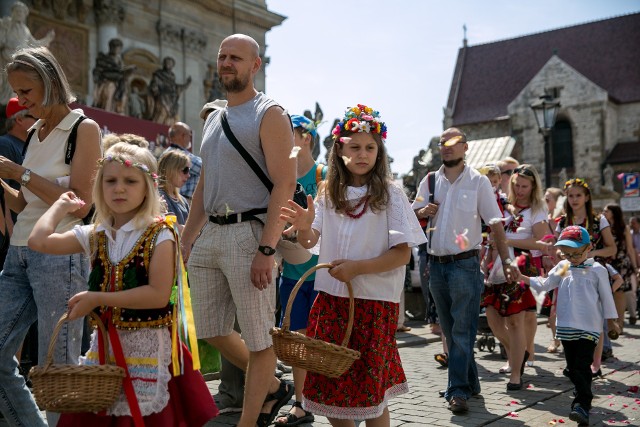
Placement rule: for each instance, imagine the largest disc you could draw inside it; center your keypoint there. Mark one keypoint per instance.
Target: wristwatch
(26, 177)
(266, 250)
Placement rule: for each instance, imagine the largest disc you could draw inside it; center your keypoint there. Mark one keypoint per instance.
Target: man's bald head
(451, 133)
(245, 40)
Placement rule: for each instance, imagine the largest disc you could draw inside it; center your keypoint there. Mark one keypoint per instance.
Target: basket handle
(56, 331)
(286, 321)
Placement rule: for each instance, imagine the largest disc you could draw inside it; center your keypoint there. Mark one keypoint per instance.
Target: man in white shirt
(462, 197)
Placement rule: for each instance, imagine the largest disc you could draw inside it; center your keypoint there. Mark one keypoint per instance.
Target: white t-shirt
(364, 238)
(525, 227)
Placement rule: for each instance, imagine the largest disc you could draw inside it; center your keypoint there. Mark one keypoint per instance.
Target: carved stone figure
(14, 34)
(317, 118)
(109, 79)
(212, 85)
(165, 93)
(328, 141)
(607, 174)
(136, 104)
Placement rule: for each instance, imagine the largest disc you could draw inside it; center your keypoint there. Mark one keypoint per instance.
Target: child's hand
(81, 304)
(299, 218)
(344, 270)
(70, 202)
(614, 329)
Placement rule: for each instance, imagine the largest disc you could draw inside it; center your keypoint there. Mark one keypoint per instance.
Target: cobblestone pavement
(544, 402)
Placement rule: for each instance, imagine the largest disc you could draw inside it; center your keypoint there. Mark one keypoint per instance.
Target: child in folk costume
(367, 228)
(584, 300)
(135, 263)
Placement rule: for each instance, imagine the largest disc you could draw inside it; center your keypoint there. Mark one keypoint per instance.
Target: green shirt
(308, 182)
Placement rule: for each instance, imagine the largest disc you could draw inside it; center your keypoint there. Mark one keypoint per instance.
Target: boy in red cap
(584, 299)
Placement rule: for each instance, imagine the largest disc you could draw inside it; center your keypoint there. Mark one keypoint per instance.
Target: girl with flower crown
(135, 262)
(578, 209)
(367, 228)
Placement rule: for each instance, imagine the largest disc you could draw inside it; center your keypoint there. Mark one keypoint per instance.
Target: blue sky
(398, 56)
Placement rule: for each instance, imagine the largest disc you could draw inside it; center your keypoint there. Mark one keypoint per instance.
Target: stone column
(109, 14)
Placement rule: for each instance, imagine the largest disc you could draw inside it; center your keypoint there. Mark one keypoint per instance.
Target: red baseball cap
(13, 106)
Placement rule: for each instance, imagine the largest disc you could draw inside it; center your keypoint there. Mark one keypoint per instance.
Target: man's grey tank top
(230, 184)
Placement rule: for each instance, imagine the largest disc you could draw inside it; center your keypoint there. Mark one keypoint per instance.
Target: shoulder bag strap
(431, 182)
(243, 152)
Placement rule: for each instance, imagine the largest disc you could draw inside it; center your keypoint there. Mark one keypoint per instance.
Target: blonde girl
(173, 169)
(367, 228)
(133, 253)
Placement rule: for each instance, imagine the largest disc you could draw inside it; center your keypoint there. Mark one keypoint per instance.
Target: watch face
(267, 250)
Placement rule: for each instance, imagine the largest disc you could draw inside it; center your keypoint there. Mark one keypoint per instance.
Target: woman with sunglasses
(578, 209)
(173, 169)
(510, 304)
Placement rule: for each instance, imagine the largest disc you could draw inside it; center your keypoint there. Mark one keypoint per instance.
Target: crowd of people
(556, 243)
(105, 227)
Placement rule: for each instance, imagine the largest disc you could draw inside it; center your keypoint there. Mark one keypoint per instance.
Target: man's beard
(235, 85)
(452, 163)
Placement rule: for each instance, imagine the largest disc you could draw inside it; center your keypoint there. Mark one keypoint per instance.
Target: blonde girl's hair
(536, 198)
(40, 65)
(339, 177)
(139, 158)
(170, 164)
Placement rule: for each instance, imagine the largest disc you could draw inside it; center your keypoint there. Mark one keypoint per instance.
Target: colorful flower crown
(361, 119)
(128, 163)
(576, 182)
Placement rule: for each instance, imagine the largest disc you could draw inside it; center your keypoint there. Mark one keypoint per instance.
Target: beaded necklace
(364, 202)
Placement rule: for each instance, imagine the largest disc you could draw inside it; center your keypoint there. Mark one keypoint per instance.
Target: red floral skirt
(190, 405)
(364, 390)
(513, 298)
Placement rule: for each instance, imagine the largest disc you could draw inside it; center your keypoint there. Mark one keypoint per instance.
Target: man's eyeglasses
(186, 170)
(452, 141)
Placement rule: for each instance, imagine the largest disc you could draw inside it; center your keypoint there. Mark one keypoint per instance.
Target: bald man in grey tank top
(231, 255)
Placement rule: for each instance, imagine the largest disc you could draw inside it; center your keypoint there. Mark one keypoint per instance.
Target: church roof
(488, 77)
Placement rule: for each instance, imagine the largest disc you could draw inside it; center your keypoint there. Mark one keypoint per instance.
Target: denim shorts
(301, 304)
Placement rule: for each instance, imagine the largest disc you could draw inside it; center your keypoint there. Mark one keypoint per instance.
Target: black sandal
(281, 396)
(293, 419)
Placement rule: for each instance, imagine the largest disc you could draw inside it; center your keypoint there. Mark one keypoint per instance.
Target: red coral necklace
(364, 202)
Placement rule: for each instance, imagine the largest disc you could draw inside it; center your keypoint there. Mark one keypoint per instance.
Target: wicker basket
(314, 355)
(76, 388)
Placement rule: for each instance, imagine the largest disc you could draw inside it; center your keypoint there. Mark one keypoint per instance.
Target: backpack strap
(71, 141)
(26, 143)
(431, 183)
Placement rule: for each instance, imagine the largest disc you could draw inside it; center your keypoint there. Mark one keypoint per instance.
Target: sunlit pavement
(544, 401)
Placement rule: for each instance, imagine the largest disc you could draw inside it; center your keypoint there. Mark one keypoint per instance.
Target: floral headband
(128, 163)
(361, 119)
(576, 182)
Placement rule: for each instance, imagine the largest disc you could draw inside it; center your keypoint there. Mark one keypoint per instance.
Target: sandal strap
(297, 404)
(278, 394)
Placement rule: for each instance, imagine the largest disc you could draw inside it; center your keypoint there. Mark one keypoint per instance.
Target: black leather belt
(236, 218)
(445, 259)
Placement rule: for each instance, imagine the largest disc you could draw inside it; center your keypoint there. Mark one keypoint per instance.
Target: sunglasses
(520, 170)
(508, 172)
(186, 170)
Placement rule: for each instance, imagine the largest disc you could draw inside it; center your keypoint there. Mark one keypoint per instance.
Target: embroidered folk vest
(131, 272)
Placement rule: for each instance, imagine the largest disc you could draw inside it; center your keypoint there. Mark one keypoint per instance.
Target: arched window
(561, 145)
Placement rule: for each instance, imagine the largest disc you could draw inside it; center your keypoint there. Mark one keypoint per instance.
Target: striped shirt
(572, 334)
